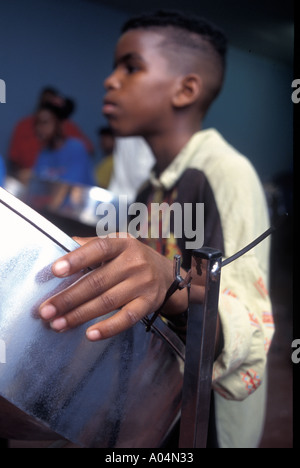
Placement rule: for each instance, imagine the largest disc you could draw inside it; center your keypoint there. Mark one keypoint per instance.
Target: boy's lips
(108, 106)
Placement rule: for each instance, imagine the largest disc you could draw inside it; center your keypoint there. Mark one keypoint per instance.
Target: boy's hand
(130, 276)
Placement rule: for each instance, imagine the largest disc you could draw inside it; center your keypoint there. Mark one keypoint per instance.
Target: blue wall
(255, 111)
(69, 44)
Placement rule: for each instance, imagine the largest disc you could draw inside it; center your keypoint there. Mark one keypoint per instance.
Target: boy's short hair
(190, 33)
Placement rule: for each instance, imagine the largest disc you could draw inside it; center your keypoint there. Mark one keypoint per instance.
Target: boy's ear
(188, 90)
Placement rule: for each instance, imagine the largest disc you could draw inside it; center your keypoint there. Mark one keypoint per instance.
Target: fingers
(77, 305)
(125, 318)
(132, 279)
(93, 284)
(102, 291)
(91, 252)
(122, 320)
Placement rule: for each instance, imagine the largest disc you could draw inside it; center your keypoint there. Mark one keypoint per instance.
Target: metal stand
(200, 347)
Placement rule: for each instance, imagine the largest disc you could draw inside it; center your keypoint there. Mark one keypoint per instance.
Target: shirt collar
(168, 178)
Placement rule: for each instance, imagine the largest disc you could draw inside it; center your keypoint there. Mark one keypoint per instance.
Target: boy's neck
(166, 147)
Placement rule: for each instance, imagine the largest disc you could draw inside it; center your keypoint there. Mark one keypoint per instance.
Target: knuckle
(150, 303)
(140, 263)
(150, 279)
(131, 241)
(133, 246)
(103, 246)
(66, 301)
(77, 317)
(76, 258)
(96, 281)
(108, 302)
(132, 316)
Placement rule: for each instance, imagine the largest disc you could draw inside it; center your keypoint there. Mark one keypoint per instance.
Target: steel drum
(71, 207)
(120, 392)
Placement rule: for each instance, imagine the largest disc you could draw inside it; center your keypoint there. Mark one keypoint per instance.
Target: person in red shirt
(25, 146)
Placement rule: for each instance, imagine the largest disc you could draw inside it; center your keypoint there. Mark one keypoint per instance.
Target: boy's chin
(122, 133)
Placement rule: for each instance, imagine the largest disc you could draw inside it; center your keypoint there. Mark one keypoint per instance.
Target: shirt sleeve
(244, 303)
(247, 324)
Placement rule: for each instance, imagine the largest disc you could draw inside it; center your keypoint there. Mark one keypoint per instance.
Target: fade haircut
(189, 35)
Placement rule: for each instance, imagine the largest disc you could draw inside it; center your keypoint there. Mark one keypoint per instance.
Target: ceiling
(263, 27)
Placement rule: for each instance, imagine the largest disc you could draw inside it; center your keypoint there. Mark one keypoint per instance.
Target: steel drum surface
(73, 201)
(120, 392)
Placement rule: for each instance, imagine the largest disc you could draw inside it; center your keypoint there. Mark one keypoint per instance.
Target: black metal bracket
(200, 344)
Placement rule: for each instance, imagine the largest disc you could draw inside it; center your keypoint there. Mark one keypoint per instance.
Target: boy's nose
(112, 81)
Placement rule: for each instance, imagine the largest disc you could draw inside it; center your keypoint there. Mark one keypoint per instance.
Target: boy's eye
(131, 68)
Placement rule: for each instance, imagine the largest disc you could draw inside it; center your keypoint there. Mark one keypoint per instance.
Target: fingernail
(59, 324)
(48, 311)
(93, 335)
(61, 268)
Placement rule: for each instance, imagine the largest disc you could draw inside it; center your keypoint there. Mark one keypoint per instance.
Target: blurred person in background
(25, 146)
(62, 158)
(104, 169)
(133, 161)
(2, 171)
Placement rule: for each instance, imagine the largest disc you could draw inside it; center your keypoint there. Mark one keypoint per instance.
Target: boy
(168, 70)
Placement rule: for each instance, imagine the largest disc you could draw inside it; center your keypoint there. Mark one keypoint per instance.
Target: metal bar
(200, 347)
(256, 241)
